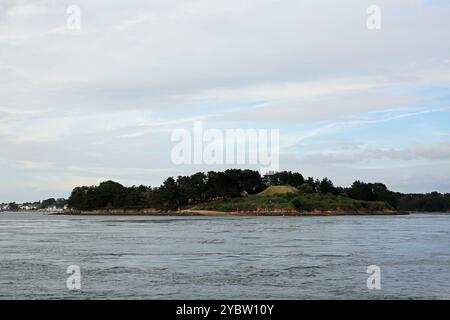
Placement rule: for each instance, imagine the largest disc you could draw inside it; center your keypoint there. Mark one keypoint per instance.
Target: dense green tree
(192, 188)
(312, 183)
(167, 197)
(246, 180)
(78, 199)
(306, 188)
(372, 192)
(361, 191)
(326, 186)
(294, 179)
(222, 185)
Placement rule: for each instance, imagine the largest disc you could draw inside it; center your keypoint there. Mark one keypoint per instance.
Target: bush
(305, 188)
(300, 205)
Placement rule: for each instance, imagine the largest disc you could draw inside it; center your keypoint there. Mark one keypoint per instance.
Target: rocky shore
(184, 213)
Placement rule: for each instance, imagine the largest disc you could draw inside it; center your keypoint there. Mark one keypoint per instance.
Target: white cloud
(368, 157)
(138, 69)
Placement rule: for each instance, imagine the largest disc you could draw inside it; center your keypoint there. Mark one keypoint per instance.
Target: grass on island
(287, 198)
(278, 190)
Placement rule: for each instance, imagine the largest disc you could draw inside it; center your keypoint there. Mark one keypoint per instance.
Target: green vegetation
(293, 201)
(247, 190)
(278, 190)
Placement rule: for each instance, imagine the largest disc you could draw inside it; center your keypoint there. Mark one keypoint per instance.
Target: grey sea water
(224, 257)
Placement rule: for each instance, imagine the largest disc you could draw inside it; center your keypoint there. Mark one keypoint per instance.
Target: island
(237, 192)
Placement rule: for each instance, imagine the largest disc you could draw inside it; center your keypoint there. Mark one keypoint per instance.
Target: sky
(80, 106)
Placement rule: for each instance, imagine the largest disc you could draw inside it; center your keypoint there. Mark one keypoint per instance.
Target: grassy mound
(270, 191)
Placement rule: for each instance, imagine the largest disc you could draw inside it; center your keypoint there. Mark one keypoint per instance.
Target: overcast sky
(81, 106)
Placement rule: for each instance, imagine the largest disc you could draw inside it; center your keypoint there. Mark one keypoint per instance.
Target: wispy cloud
(329, 128)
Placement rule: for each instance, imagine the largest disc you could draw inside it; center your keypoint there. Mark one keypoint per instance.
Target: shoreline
(211, 213)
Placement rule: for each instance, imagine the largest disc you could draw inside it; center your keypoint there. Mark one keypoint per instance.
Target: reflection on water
(224, 257)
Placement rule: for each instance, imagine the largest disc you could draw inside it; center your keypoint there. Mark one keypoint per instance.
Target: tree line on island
(201, 187)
